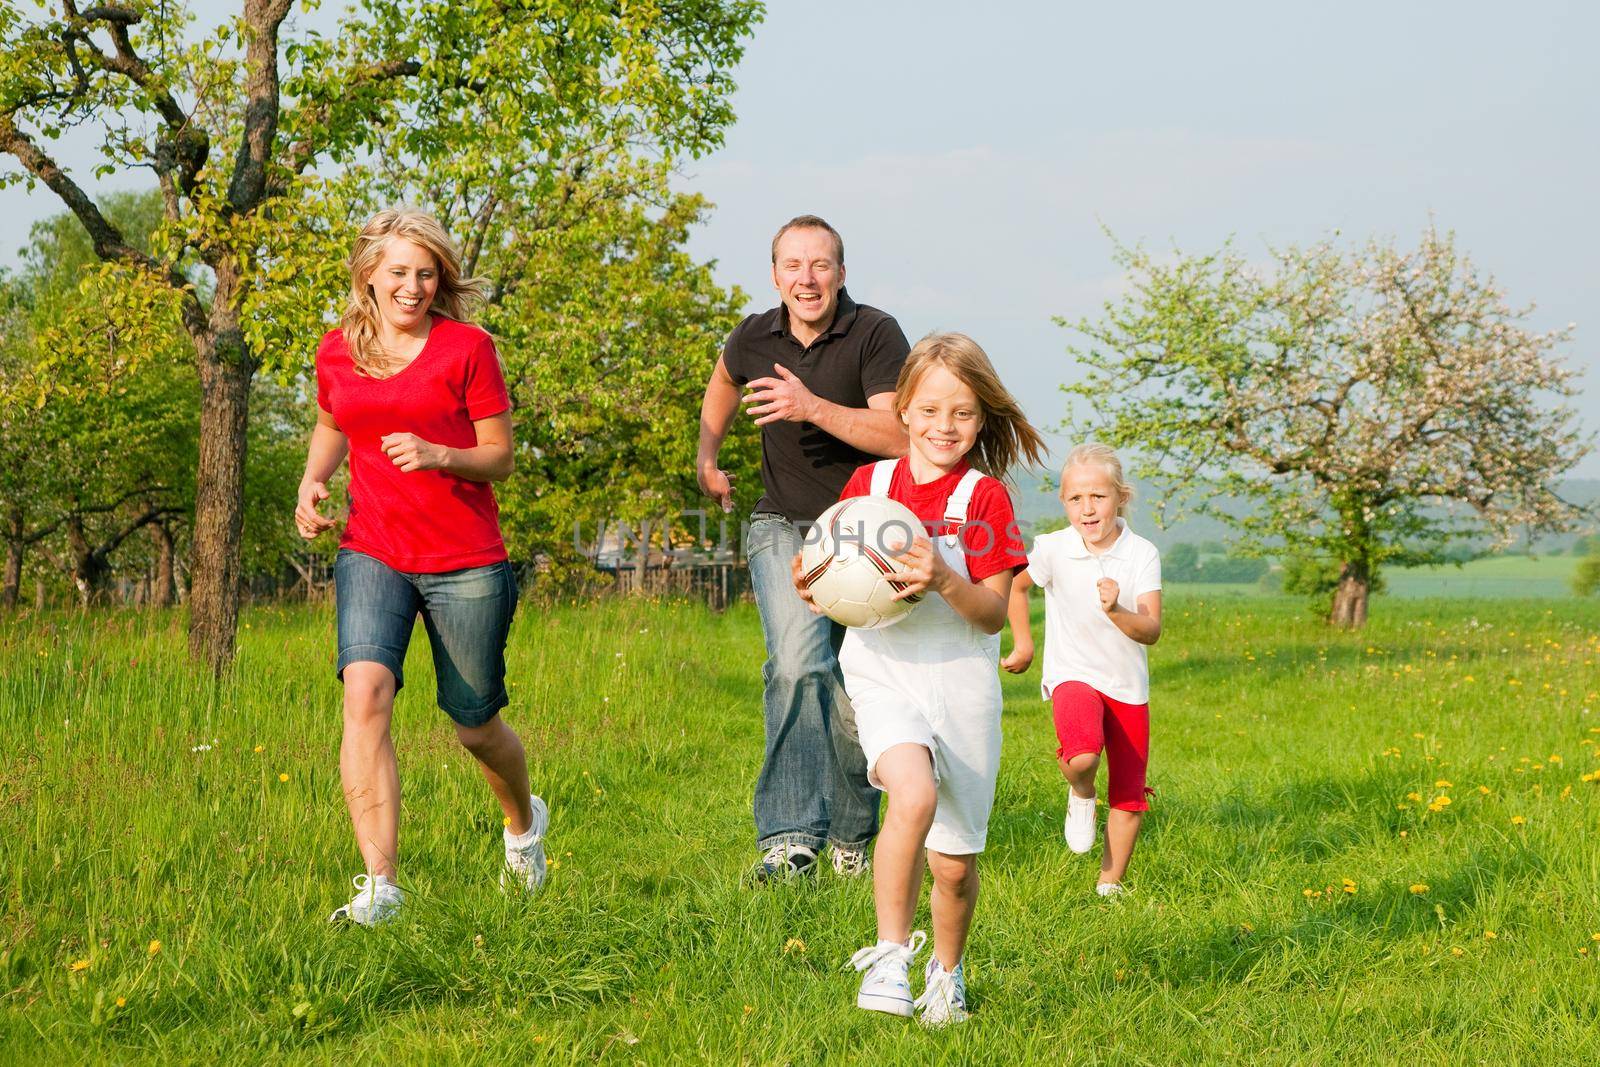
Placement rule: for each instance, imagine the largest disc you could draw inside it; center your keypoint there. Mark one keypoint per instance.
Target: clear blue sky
(971, 153)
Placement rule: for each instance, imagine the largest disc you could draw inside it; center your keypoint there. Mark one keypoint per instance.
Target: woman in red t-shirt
(413, 394)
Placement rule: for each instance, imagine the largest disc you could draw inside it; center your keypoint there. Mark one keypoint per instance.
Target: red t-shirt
(419, 521)
(990, 538)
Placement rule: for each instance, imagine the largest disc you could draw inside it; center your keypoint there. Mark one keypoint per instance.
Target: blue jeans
(467, 613)
(813, 784)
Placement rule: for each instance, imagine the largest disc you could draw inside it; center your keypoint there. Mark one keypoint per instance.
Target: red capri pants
(1087, 720)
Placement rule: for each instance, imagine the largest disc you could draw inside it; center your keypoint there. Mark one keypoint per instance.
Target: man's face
(808, 275)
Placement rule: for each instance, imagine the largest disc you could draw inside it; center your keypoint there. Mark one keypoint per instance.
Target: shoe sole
(887, 1005)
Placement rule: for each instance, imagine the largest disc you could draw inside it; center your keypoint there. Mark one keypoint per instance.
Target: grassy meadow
(1365, 848)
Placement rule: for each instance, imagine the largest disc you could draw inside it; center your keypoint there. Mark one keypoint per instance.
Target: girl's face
(404, 283)
(943, 419)
(1091, 500)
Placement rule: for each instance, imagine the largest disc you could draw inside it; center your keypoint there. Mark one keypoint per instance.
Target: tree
(265, 149)
(1358, 400)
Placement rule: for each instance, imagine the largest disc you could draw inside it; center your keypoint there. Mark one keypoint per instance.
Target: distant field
(1495, 578)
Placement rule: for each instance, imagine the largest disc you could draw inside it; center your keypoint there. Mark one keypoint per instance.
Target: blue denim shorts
(467, 613)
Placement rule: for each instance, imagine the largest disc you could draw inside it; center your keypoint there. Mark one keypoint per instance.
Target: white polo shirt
(1081, 643)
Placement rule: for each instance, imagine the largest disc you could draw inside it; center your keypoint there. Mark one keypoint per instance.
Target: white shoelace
(871, 955)
(941, 988)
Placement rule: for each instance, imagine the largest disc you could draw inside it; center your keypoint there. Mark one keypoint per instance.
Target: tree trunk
(86, 566)
(1350, 597)
(641, 573)
(39, 599)
(13, 575)
(225, 373)
(14, 547)
(161, 592)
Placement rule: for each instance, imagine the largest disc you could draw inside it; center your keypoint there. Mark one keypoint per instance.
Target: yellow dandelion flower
(78, 965)
(283, 777)
(1456, 951)
(1419, 888)
(1349, 886)
(505, 820)
(1403, 833)
(155, 947)
(748, 1009)
(122, 1002)
(1414, 797)
(1308, 894)
(794, 944)
(261, 748)
(1554, 758)
(1594, 937)
(1419, 737)
(1517, 820)
(1485, 790)
(1441, 800)
(1469, 678)
(1489, 935)
(1444, 783)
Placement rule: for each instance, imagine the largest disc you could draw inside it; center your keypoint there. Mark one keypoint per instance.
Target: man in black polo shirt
(821, 372)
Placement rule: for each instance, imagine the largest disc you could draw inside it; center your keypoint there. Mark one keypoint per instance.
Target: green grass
(1493, 577)
(1283, 758)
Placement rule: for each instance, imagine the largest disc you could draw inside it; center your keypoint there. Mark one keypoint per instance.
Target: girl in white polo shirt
(1102, 606)
(925, 691)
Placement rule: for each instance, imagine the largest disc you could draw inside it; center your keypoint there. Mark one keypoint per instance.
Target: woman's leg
(498, 750)
(955, 895)
(367, 767)
(906, 771)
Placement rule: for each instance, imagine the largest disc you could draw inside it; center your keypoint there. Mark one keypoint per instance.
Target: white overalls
(932, 679)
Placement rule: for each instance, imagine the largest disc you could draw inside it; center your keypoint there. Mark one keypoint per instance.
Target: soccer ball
(848, 564)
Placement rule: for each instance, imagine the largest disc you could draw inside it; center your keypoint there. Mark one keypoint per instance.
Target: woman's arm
(487, 461)
(1018, 615)
(327, 450)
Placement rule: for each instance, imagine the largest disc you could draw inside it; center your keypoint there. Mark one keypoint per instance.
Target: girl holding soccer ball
(1102, 586)
(925, 690)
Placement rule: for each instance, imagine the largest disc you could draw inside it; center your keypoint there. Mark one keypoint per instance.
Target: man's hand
(784, 398)
(1108, 589)
(718, 485)
(411, 453)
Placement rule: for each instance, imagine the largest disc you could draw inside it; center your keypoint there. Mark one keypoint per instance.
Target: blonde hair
(1006, 437)
(1106, 458)
(456, 298)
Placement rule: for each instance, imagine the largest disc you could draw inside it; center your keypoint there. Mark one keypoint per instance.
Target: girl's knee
(914, 801)
(1083, 762)
(953, 874)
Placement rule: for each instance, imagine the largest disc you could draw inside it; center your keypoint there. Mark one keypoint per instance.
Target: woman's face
(404, 283)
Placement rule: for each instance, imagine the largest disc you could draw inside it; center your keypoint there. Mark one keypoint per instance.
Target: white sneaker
(1110, 889)
(782, 862)
(377, 900)
(525, 864)
(850, 862)
(944, 996)
(886, 986)
(1079, 828)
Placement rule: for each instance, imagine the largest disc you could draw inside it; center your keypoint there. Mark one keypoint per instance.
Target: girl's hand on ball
(411, 453)
(805, 593)
(926, 569)
(306, 519)
(1108, 594)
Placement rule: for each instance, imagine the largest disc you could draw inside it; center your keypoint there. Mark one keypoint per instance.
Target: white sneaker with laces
(525, 863)
(944, 995)
(782, 862)
(886, 986)
(850, 862)
(1079, 828)
(1110, 889)
(377, 900)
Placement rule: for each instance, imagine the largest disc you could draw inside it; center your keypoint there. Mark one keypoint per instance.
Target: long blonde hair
(1107, 459)
(456, 298)
(1006, 437)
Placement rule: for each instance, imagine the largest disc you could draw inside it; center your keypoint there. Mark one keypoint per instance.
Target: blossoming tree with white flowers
(1372, 405)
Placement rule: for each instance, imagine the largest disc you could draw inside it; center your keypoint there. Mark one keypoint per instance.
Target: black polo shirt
(802, 467)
